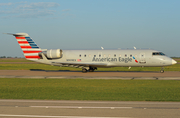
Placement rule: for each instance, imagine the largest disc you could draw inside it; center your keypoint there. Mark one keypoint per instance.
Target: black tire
(161, 71)
(84, 70)
(91, 70)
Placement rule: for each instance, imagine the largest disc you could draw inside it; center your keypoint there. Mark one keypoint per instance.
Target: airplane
(90, 60)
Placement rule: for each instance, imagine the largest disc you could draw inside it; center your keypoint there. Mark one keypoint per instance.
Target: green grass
(33, 66)
(178, 60)
(81, 89)
(14, 60)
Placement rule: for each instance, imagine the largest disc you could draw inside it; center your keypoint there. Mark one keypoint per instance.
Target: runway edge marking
(81, 107)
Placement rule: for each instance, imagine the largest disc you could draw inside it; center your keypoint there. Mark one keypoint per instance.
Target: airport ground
(154, 75)
(87, 109)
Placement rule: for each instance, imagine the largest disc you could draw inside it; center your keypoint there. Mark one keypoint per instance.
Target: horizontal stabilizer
(18, 34)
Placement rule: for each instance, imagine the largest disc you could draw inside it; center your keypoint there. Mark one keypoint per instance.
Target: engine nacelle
(53, 53)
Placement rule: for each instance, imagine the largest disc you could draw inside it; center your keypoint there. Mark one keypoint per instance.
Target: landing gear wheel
(91, 70)
(161, 71)
(84, 70)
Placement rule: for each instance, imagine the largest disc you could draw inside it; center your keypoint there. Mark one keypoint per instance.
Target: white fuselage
(112, 58)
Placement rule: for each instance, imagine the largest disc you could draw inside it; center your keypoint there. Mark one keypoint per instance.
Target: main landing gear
(91, 69)
(162, 70)
(84, 70)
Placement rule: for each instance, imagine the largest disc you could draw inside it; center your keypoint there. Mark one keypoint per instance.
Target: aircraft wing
(79, 64)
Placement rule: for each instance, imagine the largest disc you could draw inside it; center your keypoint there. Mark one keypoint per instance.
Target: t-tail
(30, 49)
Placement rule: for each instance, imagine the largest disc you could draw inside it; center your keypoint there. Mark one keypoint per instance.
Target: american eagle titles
(126, 60)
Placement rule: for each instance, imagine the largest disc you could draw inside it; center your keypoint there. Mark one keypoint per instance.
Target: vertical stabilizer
(28, 46)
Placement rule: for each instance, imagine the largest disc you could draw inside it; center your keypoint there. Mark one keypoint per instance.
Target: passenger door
(142, 58)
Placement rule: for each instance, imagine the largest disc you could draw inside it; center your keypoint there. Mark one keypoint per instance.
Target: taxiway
(90, 75)
(87, 109)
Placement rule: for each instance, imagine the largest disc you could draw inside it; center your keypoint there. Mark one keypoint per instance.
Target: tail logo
(28, 46)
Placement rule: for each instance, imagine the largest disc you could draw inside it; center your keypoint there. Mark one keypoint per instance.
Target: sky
(91, 24)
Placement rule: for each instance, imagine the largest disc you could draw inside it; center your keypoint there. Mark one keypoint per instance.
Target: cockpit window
(158, 53)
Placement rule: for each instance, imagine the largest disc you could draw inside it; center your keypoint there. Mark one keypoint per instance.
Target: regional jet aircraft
(90, 60)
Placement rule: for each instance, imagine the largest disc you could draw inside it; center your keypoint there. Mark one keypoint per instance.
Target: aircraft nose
(173, 61)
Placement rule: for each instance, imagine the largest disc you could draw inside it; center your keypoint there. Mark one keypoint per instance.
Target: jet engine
(53, 53)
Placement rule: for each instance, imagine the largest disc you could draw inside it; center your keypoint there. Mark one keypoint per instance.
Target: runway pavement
(90, 75)
(87, 109)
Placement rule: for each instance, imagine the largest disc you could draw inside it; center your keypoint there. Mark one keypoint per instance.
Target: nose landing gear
(162, 70)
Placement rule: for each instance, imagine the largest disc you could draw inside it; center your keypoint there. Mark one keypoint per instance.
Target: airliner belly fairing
(89, 60)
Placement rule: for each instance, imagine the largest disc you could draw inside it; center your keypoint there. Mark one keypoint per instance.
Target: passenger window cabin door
(142, 58)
